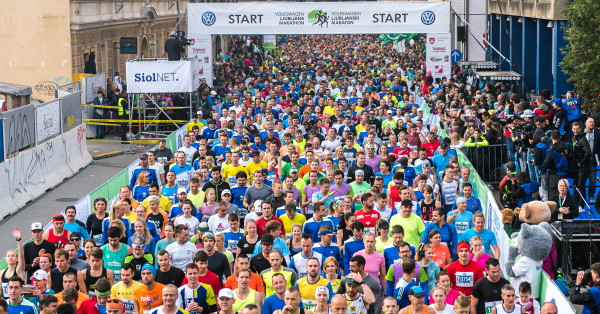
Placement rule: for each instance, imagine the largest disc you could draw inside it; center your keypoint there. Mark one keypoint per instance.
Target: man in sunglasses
(97, 304)
(114, 306)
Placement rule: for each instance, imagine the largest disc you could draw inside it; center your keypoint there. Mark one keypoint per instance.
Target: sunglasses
(113, 301)
(75, 239)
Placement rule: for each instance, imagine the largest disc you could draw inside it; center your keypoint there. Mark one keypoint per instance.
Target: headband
(322, 288)
(105, 293)
(463, 245)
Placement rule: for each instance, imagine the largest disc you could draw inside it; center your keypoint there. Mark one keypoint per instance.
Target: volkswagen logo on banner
(209, 18)
(427, 17)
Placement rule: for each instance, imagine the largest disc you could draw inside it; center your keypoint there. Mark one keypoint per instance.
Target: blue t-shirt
(25, 307)
(272, 304)
(488, 237)
(462, 222)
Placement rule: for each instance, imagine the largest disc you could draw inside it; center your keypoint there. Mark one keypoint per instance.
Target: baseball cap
(226, 191)
(74, 235)
(294, 170)
(37, 226)
(208, 235)
(420, 109)
(198, 112)
(58, 217)
(40, 274)
(389, 112)
(181, 190)
(144, 156)
(213, 92)
(255, 153)
(350, 281)
(444, 146)
(203, 227)
(460, 200)
(357, 172)
(407, 203)
(267, 239)
(417, 292)
(527, 114)
(211, 121)
(226, 293)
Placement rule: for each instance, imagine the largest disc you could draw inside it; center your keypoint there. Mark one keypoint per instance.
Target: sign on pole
(318, 18)
(456, 56)
(201, 49)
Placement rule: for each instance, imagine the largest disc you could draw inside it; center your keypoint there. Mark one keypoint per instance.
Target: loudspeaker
(461, 33)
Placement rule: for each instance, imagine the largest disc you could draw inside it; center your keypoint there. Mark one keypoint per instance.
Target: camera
(184, 41)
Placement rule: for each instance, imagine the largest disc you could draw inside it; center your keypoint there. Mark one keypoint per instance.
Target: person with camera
(590, 299)
(173, 47)
(581, 160)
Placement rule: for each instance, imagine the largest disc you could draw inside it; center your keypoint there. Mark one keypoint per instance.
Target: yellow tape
(100, 123)
(118, 141)
(134, 121)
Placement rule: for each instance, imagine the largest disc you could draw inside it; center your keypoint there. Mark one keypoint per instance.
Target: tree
(582, 53)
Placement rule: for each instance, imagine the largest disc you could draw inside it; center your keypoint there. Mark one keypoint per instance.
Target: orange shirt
(440, 255)
(80, 298)
(149, 299)
(256, 283)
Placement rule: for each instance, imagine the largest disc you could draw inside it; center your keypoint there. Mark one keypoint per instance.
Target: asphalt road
(68, 192)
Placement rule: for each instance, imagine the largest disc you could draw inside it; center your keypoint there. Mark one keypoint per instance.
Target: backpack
(561, 162)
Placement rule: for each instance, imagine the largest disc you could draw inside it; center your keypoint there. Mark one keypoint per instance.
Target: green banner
(395, 38)
(111, 188)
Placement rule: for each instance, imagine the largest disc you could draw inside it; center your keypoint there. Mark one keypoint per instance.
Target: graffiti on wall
(46, 88)
(28, 171)
(19, 129)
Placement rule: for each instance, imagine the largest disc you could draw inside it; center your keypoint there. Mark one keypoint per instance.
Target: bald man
(549, 308)
(338, 304)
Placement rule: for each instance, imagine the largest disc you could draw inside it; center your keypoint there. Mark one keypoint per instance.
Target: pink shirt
(373, 263)
(481, 260)
(449, 298)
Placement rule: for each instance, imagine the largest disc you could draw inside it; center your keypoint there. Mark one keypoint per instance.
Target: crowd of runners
(323, 177)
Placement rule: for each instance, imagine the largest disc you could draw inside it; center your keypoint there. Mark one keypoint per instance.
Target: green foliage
(582, 54)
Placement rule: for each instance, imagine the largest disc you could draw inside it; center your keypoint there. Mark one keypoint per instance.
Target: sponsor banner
(201, 49)
(159, 77)
(318, 18)
(437, 52)
(91, 84)
(19, 128)
(47, 120)
(70, 111)
(551, 293)
(493, 217)
(269, 42)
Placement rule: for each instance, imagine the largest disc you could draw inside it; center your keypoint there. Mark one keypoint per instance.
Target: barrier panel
(487, 161)
(19, 128)
(47, 121)
(76, 145)
(70, 110)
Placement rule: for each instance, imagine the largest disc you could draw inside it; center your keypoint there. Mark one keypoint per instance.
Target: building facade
(530, 33)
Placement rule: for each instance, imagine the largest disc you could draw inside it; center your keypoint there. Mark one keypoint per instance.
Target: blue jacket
(351, 246)
(391, 254)
(136, 173)
(448, 233)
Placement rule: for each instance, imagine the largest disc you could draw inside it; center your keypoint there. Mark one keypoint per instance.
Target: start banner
(279, 18)
(159, 77)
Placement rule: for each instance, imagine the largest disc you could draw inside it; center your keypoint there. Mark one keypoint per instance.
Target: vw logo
(209, 18)
(427, 17)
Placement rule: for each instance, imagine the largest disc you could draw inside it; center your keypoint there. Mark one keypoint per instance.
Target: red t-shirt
(261, 225)
(431, 147)
(464, 277)
(399, 151)
(210, 279)
(368, 219)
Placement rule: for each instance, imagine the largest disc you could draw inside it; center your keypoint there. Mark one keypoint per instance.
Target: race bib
(464, 279)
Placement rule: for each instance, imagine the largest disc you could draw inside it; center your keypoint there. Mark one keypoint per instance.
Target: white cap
(37, 226)
(226, 191)
(40, 275)
(181, 190)
(213, 92)
(226, 293)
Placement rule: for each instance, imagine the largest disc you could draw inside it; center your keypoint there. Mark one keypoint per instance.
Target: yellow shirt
(329, 110)
(288, 223)
(191, 125)
(231, 171)
(132, 216)
(360, 128)
(196, 199)
(252, 166)
(126, 295)
(164, 204)
(307, 291)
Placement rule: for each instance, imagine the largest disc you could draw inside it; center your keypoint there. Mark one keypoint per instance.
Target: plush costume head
(507, 216)
(536, 212)
(534, 241)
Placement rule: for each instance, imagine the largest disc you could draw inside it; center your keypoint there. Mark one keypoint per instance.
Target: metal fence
(488, 162)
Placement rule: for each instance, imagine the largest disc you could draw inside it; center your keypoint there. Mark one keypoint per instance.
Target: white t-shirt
(500, 309)
(218, 224)
(181, 255)
(189, 153)
(447, 310)
(159, 169)
(192, 223)
(526, 269)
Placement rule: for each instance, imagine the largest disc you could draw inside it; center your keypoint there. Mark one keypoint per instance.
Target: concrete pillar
(515, 39)
(561, 86)
(543, 68)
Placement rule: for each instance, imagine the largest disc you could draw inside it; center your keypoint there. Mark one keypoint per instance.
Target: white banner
(437, 52)
(201, 48)
(159, 76)
(47, 120)
(269, 42)
(281, 18)
(494, 223)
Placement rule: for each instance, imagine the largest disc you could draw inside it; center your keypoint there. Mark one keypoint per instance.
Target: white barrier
(32, 172)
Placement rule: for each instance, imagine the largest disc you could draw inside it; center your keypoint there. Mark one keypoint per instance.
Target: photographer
(173, 47)
(590, 299)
